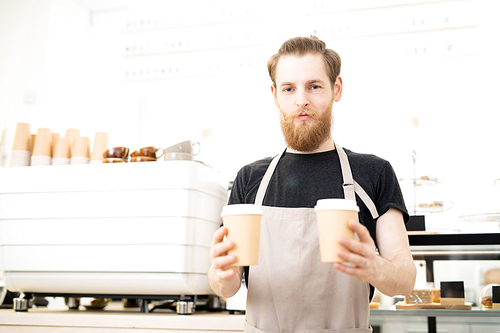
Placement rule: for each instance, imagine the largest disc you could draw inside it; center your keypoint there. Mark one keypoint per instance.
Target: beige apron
(291, 290)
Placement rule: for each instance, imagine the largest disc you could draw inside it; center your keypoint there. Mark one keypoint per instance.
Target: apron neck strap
(348, 181)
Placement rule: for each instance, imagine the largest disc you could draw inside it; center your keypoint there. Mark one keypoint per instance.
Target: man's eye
(315, 87)
(287, 89)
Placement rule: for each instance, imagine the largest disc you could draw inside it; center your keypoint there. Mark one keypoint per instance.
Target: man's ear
(337, 89)
(273, 92)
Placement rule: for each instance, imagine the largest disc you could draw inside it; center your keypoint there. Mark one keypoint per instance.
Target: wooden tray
(433, 306)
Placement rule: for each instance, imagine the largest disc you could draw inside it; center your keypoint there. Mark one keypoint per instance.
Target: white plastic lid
(240, 209)
(336, 204)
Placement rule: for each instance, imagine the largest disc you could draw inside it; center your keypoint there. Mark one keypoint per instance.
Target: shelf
(193, 50)
(487, 217)
(433, 207)
(475, 312)
(153, 27)
(424, 180)
(454, 239)
(455, 246)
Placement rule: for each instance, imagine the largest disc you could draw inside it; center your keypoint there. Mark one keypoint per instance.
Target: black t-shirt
(301, 179)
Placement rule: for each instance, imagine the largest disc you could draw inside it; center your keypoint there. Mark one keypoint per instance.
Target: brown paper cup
(22, 138)
(62, 148)
(243, 229)
(72, 134)
(43, 143)
(100, 146)
(55, 137)
(333, 216)
(81, 147)
(33, 140)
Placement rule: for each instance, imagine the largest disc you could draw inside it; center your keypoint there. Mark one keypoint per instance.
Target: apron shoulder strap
(348, 181)
(367, 200)
(265, 180)
(350, 186)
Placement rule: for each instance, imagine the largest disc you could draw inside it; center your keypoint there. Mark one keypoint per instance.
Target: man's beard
(307, 135)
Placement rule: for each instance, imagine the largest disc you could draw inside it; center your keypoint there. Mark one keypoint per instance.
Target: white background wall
(97, 66)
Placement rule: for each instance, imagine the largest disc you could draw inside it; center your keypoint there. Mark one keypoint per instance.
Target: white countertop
(116, 318)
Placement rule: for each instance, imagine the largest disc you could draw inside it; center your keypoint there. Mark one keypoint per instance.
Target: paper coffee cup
(81, 147)
(243, 229)
(33, 140)
(333, 216)
(100, 146)
(55, 137)
(22, 138)
(72, 134)
(62, 148)
(43, 143)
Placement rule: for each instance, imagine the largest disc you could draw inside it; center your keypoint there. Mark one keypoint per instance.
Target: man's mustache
(311, 113)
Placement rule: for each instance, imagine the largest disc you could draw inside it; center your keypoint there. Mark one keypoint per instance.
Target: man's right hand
(225, 280)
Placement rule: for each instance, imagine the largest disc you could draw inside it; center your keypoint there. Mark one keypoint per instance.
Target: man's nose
(302, 99)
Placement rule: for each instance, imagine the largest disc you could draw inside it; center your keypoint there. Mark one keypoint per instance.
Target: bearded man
(291, 290)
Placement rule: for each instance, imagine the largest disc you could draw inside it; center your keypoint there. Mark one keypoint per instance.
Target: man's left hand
(365, 261)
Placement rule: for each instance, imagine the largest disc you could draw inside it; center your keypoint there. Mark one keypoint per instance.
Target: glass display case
(450, 257)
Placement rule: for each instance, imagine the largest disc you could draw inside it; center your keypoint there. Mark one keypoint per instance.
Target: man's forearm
(225, 288)
(397, 277)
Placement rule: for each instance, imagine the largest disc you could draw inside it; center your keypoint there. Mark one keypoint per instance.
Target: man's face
(305, 96)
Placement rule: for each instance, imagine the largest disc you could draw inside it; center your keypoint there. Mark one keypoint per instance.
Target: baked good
(423, 296)
(436, 295)
(419, 296)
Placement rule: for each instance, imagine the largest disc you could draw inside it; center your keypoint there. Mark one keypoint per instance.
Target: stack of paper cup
(42, 151)
(62, 152)
(100, 146)
(21, 150)
(81, 151)
(20, 158)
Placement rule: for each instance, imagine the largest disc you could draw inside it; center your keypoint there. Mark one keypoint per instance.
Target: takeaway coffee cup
(22, 147)
(62, 152)
(22, 138)
(43, 143)
(333, 217)
(100, 146)
(72, 134)
(243, 229)
(55, 137)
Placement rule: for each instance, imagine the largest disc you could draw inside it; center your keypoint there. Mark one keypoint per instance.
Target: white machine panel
(134, 228)
(114, 230)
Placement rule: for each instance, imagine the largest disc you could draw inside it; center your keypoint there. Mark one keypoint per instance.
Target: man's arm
(393, 271)
(224, 280)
